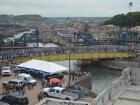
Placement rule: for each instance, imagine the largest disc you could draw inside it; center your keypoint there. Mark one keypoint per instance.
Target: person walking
(40, 96)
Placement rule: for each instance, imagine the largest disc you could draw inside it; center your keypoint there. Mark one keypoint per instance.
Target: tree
(118, 20)
(129, 20)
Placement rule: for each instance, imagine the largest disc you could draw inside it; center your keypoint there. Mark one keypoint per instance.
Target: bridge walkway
(78, 56)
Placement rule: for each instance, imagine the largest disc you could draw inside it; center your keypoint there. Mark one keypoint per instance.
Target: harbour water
(101, 77)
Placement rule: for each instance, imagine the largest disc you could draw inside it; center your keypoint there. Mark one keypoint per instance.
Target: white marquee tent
(43, 66)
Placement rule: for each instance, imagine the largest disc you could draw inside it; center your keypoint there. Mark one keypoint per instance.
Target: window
(29, 78)
(20, 83)
(25, 79)
(52, 90)
(13, 82)
(57, 91)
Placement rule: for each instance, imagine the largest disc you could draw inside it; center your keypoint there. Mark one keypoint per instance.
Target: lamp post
(49, 52)
(69, 63)
(130, 6)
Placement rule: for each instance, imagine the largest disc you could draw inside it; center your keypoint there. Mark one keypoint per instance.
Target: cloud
(66, 7)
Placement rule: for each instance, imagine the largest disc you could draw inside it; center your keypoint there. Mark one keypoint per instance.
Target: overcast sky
(67, 8)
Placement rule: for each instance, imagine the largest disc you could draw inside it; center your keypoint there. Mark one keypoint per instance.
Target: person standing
(43, 82)
(40, 96)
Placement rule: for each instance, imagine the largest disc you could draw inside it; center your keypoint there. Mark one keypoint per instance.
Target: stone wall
(50, 101)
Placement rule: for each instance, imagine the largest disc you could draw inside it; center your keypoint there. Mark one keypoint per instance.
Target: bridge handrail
(28, 52)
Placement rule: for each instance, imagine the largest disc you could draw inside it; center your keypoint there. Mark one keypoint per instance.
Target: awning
(42, 66)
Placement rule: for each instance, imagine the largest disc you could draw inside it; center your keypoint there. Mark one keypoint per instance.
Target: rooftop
(42, 66)
(58, 88)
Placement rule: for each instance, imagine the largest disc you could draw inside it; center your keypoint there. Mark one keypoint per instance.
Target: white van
(27, 78)
(6, 71)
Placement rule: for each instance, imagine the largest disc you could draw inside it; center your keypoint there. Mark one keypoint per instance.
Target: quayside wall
(52, 101)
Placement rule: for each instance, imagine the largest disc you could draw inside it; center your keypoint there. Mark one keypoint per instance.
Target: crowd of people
(29, 52)
(8, 89)
(78, 76)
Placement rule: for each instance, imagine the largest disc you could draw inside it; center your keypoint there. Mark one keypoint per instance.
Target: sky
(68, 8)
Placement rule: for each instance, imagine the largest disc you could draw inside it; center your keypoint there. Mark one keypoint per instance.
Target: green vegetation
(20, 18)
(129, 20)
(29, 17)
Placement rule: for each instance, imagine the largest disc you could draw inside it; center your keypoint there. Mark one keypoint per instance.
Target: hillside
(19, 18)
(129, 20)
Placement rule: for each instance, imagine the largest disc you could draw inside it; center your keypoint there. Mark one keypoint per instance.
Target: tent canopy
(43, 66)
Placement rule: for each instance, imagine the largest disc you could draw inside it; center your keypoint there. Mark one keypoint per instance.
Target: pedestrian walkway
(130, 96)
(124, 91)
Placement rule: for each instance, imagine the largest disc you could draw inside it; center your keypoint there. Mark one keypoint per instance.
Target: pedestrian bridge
(78, 56)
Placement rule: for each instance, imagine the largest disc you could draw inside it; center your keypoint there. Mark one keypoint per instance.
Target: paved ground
(31, 93)
(130, 96)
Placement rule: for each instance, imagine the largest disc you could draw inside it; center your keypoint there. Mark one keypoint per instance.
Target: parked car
(28, 79)
(14, 99)
(3, 103)
(6, 71)
(14, 83)
(59, 92)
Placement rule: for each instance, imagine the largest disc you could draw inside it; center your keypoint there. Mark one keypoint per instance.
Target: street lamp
(130, 5)
(69, 63)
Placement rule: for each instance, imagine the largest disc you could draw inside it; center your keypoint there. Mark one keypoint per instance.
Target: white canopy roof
(45, 66)
(42, 45)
